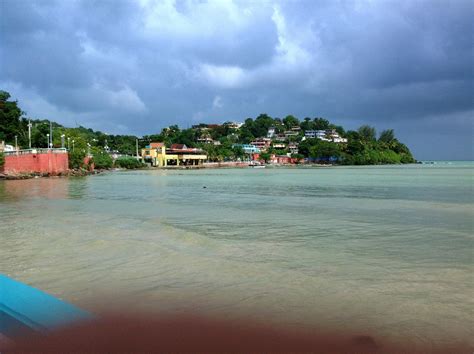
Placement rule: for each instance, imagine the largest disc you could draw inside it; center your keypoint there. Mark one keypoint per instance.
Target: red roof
(156, 145)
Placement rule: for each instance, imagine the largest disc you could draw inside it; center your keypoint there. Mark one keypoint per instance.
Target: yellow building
(177, 155)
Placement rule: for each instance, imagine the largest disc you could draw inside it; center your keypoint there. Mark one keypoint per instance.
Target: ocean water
(386, 250)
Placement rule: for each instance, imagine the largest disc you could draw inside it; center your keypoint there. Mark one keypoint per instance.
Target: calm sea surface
(387, 250)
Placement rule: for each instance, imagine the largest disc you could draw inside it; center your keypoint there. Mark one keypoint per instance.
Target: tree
(128, 163)
(102, 160)
(76, 158)
(245, 133)
(324, 150)
(261, 125)
(11, 124)
(298, 157)
(238, 152)
(320, 124)
(387, 136)
(367, 133)
(306, 124)
(290, 121)
(265, 156)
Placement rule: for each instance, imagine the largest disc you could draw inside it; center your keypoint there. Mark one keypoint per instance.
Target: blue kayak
(24, 309)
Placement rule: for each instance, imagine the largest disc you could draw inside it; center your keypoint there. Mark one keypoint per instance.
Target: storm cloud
(138, 66)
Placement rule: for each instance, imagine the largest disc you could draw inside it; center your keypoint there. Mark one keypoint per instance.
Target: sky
(134, 67)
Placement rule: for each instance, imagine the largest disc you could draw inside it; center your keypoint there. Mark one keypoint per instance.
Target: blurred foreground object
(33, 321)
(25, 310)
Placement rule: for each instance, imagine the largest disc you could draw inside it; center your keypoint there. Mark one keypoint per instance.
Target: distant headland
(264, 139)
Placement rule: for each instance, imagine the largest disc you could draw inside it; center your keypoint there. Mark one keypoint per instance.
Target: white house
(271, 132)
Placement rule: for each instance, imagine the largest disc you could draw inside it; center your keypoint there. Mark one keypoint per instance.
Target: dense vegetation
(128, 162)
(362, 148)
(363, 145)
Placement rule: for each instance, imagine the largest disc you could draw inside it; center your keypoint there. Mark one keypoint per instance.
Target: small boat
(256, 164)
(24, 309)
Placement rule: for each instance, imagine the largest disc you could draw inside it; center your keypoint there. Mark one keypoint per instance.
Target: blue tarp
(24, 308)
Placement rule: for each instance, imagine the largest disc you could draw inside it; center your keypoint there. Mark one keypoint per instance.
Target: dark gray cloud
(137, 66)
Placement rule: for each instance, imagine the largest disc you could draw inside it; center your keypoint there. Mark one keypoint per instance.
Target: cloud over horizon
(138, 66)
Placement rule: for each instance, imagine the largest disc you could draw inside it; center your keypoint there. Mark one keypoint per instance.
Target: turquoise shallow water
(387, 250)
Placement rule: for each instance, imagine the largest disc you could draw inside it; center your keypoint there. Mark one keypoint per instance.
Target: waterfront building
(280, 137)
(279, 145)
(248, 148)
(262, 143)
(177, 155)
(234, 125)
(205, 140)
(325, 135)
(315, 134)
(290, 133)
(293, 148)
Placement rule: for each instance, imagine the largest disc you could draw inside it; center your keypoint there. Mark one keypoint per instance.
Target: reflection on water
(48, 188)
(386, 249)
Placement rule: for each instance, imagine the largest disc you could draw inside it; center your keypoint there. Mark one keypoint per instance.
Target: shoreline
(207, 165)
(30, 175)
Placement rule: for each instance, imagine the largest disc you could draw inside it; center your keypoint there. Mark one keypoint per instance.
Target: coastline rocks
(69, 173)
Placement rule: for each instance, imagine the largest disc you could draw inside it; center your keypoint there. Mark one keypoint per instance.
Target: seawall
(51, 162)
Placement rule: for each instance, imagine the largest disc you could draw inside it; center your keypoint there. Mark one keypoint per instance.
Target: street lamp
(29, 133)
(51, 134)
(88, 149)
(49, 145)
(68, 139)
(73, 145)
(62, 141)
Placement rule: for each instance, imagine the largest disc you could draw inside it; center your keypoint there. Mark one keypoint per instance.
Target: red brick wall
(40, 163)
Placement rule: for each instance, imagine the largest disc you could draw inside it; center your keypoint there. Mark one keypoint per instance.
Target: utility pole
(29, 133)
(137, 148)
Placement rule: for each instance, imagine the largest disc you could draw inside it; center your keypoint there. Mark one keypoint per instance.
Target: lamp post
(88, 149)
(16, 143)
(51, 134)
(62, 141)
(47, 135)
(29, 133)
(73, 145)
(68, 145)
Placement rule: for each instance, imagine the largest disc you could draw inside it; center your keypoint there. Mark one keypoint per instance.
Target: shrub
(76, 159)
(2, 159)
(103, 160)
(128, 163)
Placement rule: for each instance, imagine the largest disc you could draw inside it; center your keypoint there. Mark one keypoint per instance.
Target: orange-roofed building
(156, 145)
